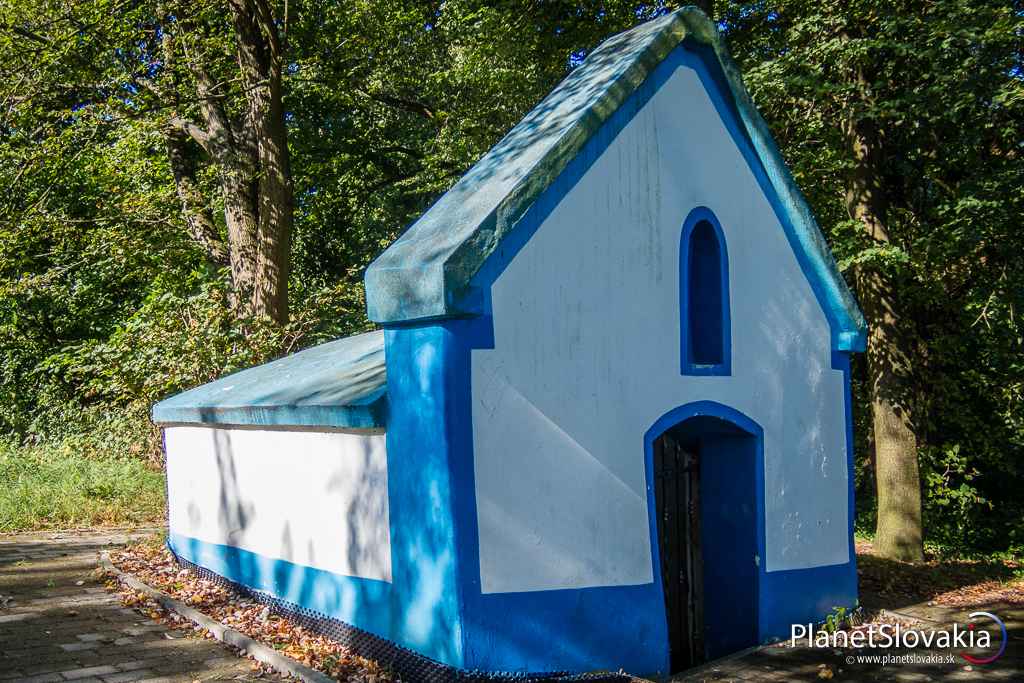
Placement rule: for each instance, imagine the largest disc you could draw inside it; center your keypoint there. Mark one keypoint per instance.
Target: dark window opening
(705, 296)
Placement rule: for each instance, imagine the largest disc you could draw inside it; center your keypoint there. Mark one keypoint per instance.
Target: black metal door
(676, 490)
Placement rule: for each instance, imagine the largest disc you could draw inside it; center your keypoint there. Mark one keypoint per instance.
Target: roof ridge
(427, 272)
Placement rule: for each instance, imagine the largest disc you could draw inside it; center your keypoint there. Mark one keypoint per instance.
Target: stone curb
(229, 636)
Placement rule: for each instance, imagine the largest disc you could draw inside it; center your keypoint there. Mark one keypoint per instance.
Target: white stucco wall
(586, 359)
(318, 499)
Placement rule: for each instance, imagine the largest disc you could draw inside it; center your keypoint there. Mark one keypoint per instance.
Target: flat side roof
(341, 384)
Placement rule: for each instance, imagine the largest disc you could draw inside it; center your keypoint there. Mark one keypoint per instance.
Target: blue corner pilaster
(425, 594)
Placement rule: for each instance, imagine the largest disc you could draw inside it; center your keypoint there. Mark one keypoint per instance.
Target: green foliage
(954, 507)
(56, 486)
(176, 340)
(837, 619)
(107, 305)
(943, 83)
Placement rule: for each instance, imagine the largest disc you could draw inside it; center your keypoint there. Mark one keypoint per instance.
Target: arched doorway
(705, 461)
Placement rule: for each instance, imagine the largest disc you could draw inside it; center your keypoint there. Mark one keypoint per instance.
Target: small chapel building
(605, 420)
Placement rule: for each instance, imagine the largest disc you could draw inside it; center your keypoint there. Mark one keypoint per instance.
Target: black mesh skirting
(410, 666)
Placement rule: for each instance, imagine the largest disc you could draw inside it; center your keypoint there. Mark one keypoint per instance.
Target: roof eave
(368, 415)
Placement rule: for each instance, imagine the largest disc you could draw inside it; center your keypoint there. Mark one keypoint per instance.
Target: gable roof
(426, 273)
(339, 384)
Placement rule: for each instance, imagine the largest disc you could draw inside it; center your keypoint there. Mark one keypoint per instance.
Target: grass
(43, 487)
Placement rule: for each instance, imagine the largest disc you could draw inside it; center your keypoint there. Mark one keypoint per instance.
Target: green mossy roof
(426, 273)
(340, 384)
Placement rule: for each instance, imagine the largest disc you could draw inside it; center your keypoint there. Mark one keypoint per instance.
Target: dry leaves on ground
(151, 563)
(955, 583)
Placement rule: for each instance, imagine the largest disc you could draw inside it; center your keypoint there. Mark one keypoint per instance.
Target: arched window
(704, 296)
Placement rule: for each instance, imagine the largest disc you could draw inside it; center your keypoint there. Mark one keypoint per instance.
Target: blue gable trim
(365, 603)
(754, 140)
(433, 269)
(688, 55)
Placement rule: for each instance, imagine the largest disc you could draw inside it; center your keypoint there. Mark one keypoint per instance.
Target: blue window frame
(704, 325)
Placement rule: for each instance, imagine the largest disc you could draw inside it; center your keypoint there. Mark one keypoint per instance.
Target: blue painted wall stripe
(365, 603)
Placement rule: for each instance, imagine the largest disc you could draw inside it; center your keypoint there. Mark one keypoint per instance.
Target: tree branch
(197, 214)
(201, 137)
(411, 106)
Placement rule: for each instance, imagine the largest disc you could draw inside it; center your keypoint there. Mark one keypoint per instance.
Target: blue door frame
(749, 428)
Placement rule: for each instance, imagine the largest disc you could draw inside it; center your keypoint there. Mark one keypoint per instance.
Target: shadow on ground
(931, 596)
(893, 585)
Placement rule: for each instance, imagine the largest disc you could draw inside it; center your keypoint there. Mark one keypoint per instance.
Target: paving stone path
(58, 622)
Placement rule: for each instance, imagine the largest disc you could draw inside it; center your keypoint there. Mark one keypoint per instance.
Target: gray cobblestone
(88, 671)
(137, 664)
(55, 631)
(128, 676)
(96, 637)
(19, 616)
(140, 630)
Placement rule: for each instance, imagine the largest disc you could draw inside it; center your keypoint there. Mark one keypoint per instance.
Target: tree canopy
(152, 150)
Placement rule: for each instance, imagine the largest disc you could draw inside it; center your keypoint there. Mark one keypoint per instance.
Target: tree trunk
(260, 62)
(235, 158)
(194, 207)
(197, 213)
(898, 533)
(250, 152)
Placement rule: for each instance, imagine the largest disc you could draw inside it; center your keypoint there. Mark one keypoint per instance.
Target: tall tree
(902, 121)
(242, 133)
(212, 76)
(162, 157)
(898, 531)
